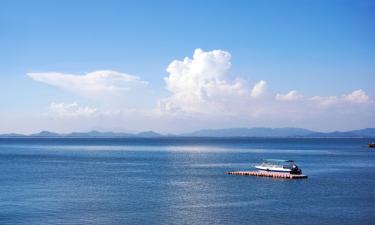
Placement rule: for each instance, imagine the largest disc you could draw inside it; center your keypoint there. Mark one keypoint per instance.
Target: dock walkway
(268, 174)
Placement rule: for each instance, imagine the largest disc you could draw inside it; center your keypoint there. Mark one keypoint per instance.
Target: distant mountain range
(251, 132)
(91, 134)
(280, 132)
(229, 132)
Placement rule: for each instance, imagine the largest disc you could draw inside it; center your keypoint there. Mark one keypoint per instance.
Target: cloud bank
(201, 84)
(203, 94)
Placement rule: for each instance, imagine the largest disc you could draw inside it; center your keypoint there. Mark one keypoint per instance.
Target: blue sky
(324, 50)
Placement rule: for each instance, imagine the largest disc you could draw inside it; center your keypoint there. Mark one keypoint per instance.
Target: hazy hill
(148, 134)
(367, 132)
(45, 134)
(95, 133)
(230, 132)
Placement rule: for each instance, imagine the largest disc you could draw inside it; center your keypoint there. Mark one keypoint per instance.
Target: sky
(179, 66)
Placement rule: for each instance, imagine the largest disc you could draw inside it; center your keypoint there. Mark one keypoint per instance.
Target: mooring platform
(268, 174)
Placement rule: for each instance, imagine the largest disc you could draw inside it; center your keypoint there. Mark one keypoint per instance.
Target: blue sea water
(183, 181)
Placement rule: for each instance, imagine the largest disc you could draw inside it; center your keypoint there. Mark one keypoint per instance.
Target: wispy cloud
(72, 110)
(90, 84)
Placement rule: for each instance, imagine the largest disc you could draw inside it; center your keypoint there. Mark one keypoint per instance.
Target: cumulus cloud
(71, 110)
(201, 88)
(203, 94)
(358, 96)
(290, 96)
(93, 83)
(202, 84)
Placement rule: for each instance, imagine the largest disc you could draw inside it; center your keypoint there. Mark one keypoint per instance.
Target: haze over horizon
(177, 67)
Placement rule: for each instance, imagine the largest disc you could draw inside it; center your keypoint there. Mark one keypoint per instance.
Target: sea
(184, 181)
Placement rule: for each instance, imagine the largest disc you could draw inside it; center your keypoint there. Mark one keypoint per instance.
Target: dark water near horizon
(182, 181)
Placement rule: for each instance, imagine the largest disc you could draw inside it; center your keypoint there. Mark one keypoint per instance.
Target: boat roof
(278, 160)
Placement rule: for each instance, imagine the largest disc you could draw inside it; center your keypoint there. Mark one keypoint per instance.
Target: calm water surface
(182, 181)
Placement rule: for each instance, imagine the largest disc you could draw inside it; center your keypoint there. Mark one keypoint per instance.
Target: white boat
(277, 165)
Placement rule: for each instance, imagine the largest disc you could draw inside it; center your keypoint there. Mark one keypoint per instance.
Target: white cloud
(290, 96)
(202, 92)
(71, 110)
(90, 84)
(259, 89)
(325, 101)
(358, 96)
(203, 95)
(202, 84)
